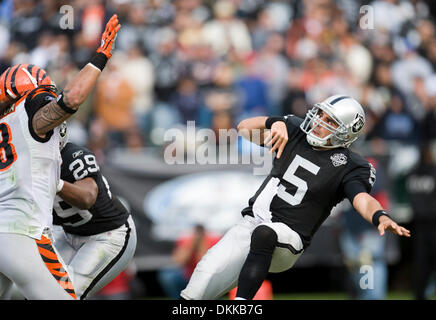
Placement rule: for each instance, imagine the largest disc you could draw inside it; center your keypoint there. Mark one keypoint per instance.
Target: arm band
(60, 185)
(269, 121)
(99, 61)
(376, 217)
(61, 103)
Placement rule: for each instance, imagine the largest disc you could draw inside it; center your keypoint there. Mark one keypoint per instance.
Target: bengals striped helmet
(20, 79)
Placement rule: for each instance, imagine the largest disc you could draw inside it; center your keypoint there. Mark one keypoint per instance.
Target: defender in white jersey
(30, 112)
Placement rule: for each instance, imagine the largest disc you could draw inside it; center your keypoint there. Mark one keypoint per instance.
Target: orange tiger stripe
(54, 265)
(47, 254)
(43, 240)
(65, 283)
(58, 273)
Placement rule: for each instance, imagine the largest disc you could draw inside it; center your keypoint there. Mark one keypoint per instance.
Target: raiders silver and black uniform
(297, 196)
(310, 183)
(97, 243)
(106, 214)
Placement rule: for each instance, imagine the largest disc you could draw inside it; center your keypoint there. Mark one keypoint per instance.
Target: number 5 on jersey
(301, 185)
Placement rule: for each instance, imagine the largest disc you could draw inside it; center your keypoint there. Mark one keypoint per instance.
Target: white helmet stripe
(32, 79)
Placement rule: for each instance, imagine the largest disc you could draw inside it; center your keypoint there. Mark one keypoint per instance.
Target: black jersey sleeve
(292, 124)
(360, 178)
(32, 105)
(78, 163)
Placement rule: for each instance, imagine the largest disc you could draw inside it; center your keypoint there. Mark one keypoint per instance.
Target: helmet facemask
(336, 138)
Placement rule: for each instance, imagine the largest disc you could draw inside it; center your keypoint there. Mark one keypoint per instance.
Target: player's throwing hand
(277, 138)
(388, 224)
(108, 37)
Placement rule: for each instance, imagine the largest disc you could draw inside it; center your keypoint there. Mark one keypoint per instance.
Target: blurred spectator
(92, 22)
(27, 22)
(252, 93)
(187, 99)
(295, 99)
(159, 12)
(167, 64)
(113, 106)
(357, 58)
(138, 71)
(421, 186)
(272, 67)
(201, 64)
(406, 69)
(390, 15)
(226, 33)
(222, 97)
(384, 89)
(187, 253)
(134, 30)
(397, 123)
(362, 245)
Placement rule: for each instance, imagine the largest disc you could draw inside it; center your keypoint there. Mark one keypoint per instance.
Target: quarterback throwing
(312, 172)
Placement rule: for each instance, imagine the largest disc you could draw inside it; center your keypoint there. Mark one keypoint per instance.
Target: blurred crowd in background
(218, 62)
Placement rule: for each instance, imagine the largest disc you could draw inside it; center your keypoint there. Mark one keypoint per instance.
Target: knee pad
(263, 240)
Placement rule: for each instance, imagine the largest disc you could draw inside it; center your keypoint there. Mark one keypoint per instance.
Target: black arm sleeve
(32, 106)
(359, 179)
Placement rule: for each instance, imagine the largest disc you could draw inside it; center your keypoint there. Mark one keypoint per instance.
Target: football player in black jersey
(312, 172)
(94, 232)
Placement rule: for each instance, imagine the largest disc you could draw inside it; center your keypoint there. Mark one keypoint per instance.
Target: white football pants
(34, 267)
(96, 260)
(218, 271)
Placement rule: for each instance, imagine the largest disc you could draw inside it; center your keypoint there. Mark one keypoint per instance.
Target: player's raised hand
(388, 224)
(277, 138)
(109, 35)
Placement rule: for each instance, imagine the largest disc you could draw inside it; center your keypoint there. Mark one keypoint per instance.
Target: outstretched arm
(78, 88)
(369, 208)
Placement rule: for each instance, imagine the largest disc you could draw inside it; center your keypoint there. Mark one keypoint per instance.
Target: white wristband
(60, 185)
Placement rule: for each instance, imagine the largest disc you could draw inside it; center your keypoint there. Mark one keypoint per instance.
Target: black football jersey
(305, 183)
(106, 214)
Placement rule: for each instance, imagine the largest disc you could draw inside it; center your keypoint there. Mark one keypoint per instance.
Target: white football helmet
(63, 135)
(348, 114)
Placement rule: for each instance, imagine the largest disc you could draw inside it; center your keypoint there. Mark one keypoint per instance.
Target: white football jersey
(29, 174)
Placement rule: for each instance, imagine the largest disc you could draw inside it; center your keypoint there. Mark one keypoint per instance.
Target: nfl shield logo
(339, 159)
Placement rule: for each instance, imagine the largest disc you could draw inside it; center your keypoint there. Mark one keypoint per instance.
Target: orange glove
(109, 36)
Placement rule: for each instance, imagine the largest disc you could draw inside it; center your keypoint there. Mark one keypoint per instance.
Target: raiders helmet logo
(358, 123)
(339, 159)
